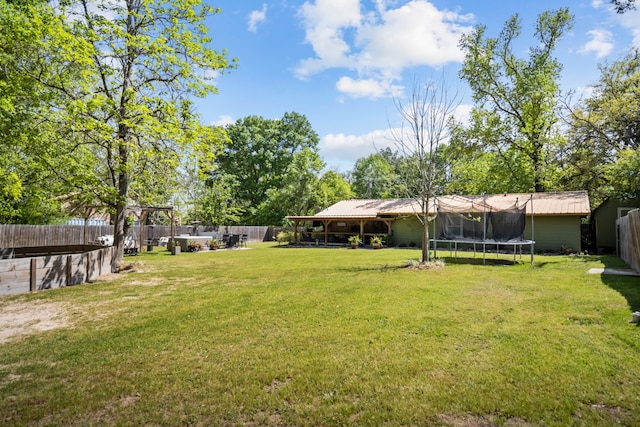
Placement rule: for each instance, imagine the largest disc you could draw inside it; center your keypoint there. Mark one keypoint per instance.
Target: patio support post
(362, 230)
(295, 230)
(144, 214)
(173, 224)
(326, 231)
(532, 234)
(484, 226)
(434, 238)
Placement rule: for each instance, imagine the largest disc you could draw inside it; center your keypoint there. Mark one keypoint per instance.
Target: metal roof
(555, 203)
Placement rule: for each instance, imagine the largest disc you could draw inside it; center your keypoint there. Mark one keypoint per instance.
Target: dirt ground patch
(27, 318)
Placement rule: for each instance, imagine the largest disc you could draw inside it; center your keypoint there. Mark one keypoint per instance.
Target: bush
(287, 237)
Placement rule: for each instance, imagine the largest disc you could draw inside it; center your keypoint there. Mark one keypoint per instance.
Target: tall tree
(141, 62)
(333, 187)
(426, 121)
(603, 150)
(261, 153)
(516, 99)
(298, 193)
(215, 203)
(29, 36)
(376, 176)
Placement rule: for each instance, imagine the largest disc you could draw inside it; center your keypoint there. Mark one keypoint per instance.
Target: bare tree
(426, 115)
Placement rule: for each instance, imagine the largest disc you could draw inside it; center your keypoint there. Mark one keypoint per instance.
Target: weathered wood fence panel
(17, 236)
(255, 233)
(629, 238)
(53, 271)
(15, 276)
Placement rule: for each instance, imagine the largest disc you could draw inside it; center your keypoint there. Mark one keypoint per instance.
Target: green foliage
(299, 192)
(215, 202)
(377, 240)
(355, 239)
(333, 188)
(625, 173)
(516, 98)
(33, 44)
(376, 176)
(287, 237)
(276, 164)
(118, 80)
(604, 138)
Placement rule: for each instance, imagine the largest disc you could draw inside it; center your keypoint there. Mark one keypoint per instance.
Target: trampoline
(469, 221)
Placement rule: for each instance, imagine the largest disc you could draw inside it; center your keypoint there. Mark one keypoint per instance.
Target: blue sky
(341, 62)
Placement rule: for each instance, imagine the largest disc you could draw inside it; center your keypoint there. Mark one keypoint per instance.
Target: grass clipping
(414, 264)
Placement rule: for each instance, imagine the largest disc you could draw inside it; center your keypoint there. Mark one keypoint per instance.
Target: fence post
(32, 275)
(69, 265)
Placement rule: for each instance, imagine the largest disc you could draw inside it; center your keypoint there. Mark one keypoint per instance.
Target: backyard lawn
(312, 336)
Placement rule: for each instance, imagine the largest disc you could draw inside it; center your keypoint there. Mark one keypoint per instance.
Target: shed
(603, 221)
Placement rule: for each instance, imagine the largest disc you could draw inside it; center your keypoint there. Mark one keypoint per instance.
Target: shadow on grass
(360, 268)
(627, 286)
(480, 261)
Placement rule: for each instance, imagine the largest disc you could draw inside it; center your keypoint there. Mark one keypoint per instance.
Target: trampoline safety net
(472, 219)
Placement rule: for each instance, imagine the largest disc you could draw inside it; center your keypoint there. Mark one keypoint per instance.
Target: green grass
(313, 336)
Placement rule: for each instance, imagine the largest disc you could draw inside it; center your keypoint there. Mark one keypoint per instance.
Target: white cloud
(367, 88)
(324, 22)
(223, 120)
(341, 151)
(631, 21)
(601, 43)
(256, 17)
(414, 34)
(379, 44)
(462, 113)
(596, 4)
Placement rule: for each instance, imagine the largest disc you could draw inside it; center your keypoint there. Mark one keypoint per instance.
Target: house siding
(553, 232)
(407, 230)
(604, 218)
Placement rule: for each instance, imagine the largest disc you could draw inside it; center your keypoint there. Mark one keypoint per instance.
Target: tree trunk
(425, 237)
(121, 204)
(118, 236)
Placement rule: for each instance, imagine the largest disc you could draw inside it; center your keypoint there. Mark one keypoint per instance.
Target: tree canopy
(271, 158)
(602, 153)
(516, 99)
(376, 176)
(137, 64)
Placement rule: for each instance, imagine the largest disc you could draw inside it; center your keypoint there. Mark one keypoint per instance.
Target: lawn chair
(243, 240)
(233, 241)
(130, 246)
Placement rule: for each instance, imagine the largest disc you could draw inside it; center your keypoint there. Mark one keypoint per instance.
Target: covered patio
(327, 231)
(365, 218)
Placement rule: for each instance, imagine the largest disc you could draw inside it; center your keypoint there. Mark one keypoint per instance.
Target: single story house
(553, 220)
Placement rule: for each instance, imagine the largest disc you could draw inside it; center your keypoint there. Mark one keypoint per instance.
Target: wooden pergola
(143, 216)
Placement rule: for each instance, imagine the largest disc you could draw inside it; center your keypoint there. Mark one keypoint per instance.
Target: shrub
(287, 237)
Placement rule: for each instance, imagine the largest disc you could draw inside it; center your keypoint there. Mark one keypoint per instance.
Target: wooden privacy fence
(20, 275)
(17, 236)
(629, 238)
